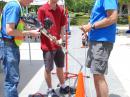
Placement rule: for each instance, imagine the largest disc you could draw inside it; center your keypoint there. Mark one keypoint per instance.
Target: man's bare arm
(63, 31)
(10, 28)
(109, 20)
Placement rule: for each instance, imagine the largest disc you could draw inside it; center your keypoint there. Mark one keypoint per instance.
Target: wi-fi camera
(47, 23)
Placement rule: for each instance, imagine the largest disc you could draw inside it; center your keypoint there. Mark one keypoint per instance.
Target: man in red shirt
(51, 51)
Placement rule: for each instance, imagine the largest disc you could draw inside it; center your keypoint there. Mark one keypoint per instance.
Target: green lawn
(78, 18)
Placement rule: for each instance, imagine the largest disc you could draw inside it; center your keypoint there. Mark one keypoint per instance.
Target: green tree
(128, 7)
(79, 5)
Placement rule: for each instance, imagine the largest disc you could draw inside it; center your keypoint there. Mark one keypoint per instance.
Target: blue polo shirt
(10, 14)
(106, 34)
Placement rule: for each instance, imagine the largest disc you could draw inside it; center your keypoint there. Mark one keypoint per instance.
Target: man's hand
(60, 42)
(86, 28)
(34, 32)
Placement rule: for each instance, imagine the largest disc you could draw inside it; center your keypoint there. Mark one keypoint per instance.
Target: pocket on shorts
(99, 66)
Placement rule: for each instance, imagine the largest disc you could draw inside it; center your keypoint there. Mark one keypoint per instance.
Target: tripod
(67, 74)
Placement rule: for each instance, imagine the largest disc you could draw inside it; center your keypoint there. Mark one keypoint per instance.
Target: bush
(73, 21)
(79, 19)
(122, 20)
(79, 14)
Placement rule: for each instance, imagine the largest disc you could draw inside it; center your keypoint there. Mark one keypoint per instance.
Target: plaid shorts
(97, 57)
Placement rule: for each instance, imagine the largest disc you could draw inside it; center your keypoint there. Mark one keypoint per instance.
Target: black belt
(6, 39)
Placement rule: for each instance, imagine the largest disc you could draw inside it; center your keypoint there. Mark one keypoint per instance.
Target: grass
(78, 18)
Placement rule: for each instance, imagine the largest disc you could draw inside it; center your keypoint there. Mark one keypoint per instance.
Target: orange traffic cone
(80, 91)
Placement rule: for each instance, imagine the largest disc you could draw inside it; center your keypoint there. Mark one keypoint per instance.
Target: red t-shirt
(58, 18)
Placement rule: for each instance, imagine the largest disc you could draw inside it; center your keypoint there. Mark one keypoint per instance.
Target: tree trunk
(120, 10)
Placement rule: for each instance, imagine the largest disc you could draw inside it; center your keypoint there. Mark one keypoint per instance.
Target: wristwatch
(93, 26)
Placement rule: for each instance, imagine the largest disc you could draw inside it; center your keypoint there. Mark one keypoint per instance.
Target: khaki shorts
(97, 57)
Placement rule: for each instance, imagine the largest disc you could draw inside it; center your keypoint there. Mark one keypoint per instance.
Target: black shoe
(52, 93)
(69, 33)
(67, 90)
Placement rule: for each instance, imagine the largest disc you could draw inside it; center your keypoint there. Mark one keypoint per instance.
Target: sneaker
(67, 90)
(69, 33)
(52, 93)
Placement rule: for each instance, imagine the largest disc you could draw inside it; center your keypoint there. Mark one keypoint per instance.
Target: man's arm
(109, 20)
(63, 31)
(10, 28)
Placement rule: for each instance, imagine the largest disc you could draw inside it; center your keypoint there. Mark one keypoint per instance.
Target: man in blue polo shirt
(101, 33)
(9, 50)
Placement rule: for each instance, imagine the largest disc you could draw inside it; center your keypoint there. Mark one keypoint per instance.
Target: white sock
(49, 89)
(63, 85)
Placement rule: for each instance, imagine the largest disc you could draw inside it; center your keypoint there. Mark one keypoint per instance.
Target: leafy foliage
(79, 5)
(123, 1)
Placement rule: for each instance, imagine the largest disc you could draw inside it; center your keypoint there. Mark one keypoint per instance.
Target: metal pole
(29, 45)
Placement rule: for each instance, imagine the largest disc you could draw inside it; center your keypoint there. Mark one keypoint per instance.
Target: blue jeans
(1, 53)
(11, 59)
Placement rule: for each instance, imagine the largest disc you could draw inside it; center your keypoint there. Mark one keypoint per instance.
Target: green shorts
(97, 57)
